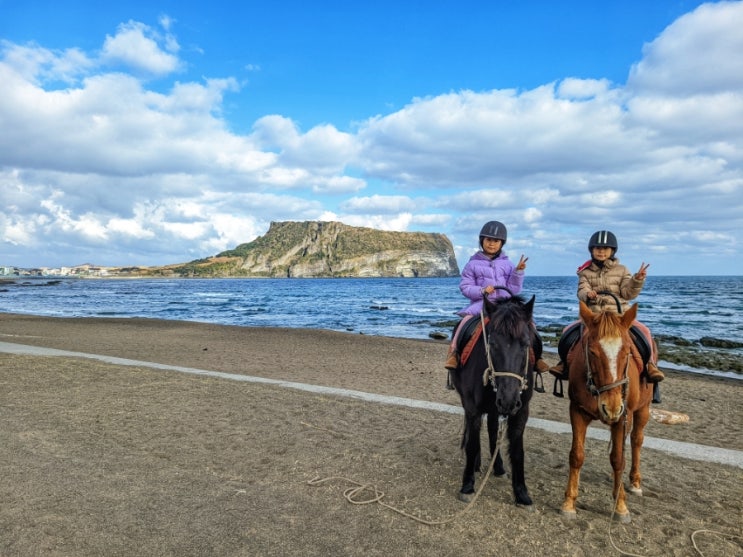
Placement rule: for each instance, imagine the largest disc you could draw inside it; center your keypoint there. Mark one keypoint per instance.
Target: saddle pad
(468, 339)
(567, 340)
(642, 343)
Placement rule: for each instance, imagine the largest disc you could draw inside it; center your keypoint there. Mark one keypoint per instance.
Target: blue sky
(146, 133)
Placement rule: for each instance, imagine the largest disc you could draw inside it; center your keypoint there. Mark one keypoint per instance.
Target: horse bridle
(591, 386)
(489, 375)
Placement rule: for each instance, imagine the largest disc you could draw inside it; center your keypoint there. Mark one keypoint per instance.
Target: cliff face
(331, 249)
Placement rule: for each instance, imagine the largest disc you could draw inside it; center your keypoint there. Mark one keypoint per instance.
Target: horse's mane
(508, 317)
(608, 324)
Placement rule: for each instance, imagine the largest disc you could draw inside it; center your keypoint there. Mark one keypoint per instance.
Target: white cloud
(700, 121)
(129, 227)
(337, 184)
(470, 138)
(532, 215)
(39, 65)
(98, 164)
(572, 88)
(398, 223)
(696, 54)
(434, 221)
(500, 198)
(378, 204)
(323, 149)
(186, 230)
(135, 45)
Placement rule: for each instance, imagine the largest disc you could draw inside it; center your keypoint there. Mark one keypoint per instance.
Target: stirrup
(449, 384)
(558, 392)
(538, 383)
(656, 393)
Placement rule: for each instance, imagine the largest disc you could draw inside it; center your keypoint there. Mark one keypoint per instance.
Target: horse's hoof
(465, 497)
(625, 518)
(570, 515)
(530, 508)
(635, 490)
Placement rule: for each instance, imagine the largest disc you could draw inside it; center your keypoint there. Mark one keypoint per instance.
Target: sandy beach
(101, 458)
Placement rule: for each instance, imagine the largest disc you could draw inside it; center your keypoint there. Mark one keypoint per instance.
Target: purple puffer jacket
(481, 271)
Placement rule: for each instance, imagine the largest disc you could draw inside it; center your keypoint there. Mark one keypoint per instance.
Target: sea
(689, 307)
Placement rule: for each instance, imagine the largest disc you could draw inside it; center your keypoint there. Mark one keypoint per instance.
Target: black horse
(497, 380)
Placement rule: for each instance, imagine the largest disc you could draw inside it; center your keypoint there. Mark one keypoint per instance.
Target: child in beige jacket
(604, 273)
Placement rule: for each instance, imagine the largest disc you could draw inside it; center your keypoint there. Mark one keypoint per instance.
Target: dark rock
(719, 343)
(670, 339)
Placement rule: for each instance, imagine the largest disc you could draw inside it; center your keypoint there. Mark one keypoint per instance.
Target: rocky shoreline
(706, 353)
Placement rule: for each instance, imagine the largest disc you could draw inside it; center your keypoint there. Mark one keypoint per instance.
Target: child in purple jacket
(486, 269)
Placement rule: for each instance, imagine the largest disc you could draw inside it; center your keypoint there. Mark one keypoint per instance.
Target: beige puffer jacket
(612, 277)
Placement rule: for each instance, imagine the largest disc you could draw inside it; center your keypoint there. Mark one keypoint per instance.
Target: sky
(157, 132)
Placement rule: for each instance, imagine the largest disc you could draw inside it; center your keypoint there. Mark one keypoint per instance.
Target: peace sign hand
(521, 265)
(643, 272)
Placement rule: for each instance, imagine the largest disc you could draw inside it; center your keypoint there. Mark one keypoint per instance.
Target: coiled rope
(352, 493)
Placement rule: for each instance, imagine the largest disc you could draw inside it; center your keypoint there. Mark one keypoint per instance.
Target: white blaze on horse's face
(611, 347)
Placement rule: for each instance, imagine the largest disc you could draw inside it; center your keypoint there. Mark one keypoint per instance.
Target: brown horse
(605, 384)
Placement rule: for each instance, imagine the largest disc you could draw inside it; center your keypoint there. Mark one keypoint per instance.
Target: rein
(489, 374)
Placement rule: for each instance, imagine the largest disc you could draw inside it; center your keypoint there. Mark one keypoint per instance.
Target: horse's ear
(529, 307)
(629, 316)
(489, 306)
(585, 312)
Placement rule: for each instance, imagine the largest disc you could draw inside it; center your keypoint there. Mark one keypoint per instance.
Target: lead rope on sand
(721, 534)
(616, 499)
(351, 492)
(616, 502)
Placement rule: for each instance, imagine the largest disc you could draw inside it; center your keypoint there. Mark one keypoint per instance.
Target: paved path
(685, 450)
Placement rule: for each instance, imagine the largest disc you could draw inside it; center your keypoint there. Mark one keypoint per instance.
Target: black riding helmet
(494, 229)
(603, 239)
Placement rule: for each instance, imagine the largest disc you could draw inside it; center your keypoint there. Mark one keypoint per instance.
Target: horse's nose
(611, 415)
(507, 407)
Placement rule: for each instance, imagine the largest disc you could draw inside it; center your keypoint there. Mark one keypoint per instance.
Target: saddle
(573, 333)
(469, 336)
